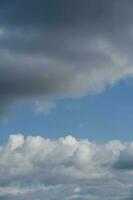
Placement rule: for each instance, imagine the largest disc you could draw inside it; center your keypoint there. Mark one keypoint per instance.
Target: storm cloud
(63, 48)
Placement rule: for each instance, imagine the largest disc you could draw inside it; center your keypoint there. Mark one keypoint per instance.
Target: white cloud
(36, 167)
(15, 141)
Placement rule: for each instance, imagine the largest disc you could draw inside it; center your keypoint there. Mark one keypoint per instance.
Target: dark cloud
(63, 48)
(63, 13)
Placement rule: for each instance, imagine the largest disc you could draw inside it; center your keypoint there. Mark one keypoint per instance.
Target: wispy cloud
(44, 107)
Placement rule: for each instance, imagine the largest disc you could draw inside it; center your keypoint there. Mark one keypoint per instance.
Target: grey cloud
(67, 13)
(125, 160)
(63, 48)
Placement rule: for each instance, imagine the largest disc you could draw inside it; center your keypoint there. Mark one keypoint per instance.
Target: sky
(66, 111)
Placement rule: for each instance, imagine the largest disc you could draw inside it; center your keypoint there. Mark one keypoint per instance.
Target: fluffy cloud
(67, 168)
(63, 48)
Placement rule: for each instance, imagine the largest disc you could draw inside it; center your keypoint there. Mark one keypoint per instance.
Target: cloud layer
(67, 168)
(63, 48)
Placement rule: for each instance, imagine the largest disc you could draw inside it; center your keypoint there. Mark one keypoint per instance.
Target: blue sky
(100, 117)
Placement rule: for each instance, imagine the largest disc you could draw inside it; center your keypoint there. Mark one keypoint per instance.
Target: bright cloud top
(33, 167)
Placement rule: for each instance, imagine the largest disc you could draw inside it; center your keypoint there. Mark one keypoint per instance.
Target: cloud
(36, 168)
(44, 107)
(63, 48)
(125, 160)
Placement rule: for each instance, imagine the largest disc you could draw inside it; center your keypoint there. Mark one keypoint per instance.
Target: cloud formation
(67, 168)
(63, 48)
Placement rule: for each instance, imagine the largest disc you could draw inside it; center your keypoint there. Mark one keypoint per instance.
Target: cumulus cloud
(63, 48)
(35, 167)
